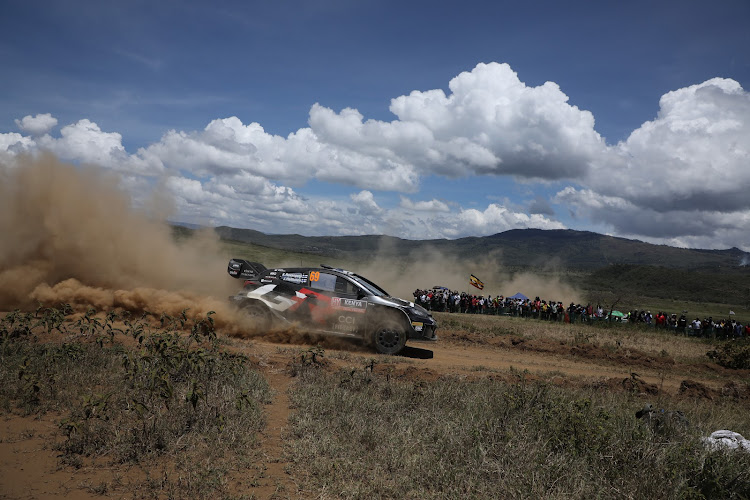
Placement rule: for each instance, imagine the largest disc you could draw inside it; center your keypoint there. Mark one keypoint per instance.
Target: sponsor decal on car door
(348, 314)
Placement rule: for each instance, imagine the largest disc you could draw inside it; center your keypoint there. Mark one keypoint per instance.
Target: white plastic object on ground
(725, 439)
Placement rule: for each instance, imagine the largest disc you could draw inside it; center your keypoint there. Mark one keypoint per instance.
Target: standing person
(682, 324)
(659, 320)
(696, 327)
(571, 313)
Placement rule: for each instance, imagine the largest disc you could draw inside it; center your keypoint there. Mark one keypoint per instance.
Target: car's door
(346, 313)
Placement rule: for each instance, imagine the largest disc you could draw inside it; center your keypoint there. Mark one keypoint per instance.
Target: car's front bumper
(423, 329)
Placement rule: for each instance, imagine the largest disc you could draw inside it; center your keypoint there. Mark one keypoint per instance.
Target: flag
(473, 280)
(731, 313)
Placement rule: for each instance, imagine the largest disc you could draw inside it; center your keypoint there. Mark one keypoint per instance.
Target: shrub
(732, 354)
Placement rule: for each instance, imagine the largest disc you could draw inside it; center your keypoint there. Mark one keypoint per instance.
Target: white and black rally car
(331, 301)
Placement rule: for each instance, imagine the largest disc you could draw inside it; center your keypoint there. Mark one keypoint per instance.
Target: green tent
(617, 316)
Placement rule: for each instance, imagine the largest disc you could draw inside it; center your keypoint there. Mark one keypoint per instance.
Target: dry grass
(356, 434)
(648, 340)
(175, 402)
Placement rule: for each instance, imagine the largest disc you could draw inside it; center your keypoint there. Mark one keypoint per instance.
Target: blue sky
(417, 119)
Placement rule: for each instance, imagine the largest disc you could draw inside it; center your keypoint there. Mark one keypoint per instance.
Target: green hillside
(518, 248)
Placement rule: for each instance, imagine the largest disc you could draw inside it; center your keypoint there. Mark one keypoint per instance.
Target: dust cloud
(430, 268)
(71, 236)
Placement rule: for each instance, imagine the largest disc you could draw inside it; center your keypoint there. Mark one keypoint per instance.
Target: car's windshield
(370, 286)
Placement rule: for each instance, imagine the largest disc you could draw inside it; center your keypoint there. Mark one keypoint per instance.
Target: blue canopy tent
(519, 295)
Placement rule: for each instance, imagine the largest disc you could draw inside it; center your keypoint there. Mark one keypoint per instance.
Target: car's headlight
(413, 311)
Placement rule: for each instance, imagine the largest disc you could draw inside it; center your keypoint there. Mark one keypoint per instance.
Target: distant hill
(517, 248)
(676, 284)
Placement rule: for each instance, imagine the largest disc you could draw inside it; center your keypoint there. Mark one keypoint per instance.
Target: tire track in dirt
(274, 481)
(449, 358)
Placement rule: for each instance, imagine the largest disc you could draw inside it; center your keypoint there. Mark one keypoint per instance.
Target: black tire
(389, 338)
(259, 314)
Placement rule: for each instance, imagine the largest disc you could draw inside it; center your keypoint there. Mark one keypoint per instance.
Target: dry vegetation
(610, 336)
(167, 407)
(356, 434)
(136, 392)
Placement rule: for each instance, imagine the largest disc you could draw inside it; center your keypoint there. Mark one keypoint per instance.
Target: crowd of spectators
(445, 300)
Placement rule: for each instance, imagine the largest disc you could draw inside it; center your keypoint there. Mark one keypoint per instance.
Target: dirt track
(541, 359)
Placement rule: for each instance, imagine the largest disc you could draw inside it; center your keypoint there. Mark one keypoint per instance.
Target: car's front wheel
(389, 338)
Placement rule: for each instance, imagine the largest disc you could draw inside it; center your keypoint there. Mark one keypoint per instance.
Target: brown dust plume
(429, 267)
(70, 235)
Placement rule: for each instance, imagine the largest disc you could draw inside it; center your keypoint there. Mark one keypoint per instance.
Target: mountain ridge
(568, 248)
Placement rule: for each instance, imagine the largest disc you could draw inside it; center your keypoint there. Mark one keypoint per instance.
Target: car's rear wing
(242, 269)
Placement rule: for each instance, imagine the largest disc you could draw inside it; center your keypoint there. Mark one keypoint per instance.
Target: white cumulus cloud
(694, 228)
(424, 206)
(14, 143)
(85, 142)
(38, 124)
(365, 202)
(492, 123)
(693, 156)
(495, 219)
(681, 177)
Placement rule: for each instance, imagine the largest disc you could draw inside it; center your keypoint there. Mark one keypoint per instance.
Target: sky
(415, 119)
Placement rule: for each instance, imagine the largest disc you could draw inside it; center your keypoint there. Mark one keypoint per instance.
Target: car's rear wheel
(258, 314)
(389, 338)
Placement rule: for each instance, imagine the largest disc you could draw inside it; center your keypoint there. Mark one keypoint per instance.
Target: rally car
(331, 301)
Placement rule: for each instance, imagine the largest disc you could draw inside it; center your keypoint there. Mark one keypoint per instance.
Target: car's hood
(401, 303)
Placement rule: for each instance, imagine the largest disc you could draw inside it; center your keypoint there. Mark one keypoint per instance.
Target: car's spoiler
(242, 269)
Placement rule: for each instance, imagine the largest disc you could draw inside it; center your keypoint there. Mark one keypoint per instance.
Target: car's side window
(323, 281)
(345, 287)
